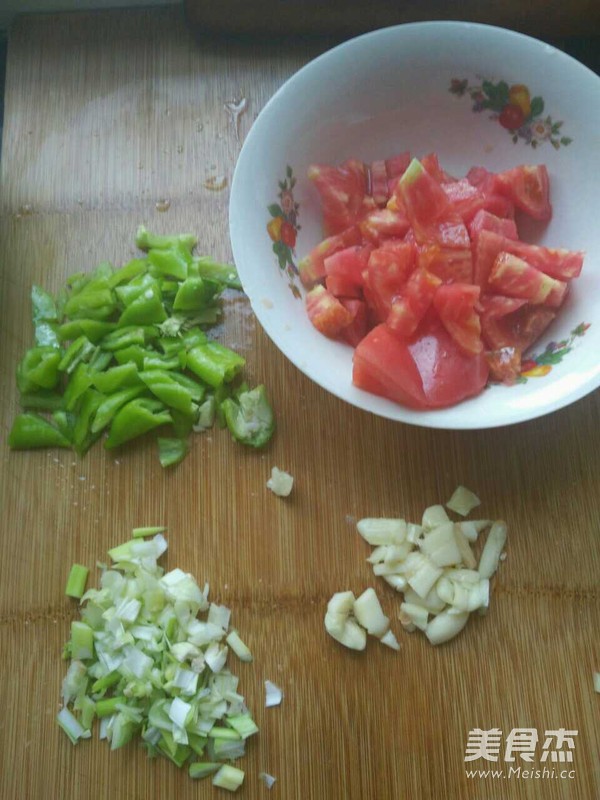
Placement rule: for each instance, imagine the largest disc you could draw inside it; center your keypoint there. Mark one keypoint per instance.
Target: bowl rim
(420, 418)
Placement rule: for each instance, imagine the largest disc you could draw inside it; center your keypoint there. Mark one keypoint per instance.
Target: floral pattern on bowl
(283, 229)
(514, 109)
(539, 365)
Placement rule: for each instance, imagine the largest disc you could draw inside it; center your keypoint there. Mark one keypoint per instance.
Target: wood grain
(106, 115)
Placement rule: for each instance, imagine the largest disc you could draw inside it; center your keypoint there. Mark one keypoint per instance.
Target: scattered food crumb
(280, 482)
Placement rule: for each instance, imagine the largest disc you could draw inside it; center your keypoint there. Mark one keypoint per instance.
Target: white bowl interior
(386, 92)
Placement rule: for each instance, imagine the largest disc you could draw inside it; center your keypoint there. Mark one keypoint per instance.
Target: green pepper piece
(79, 351)
(38, 368)
(148, 241)
(171, 451)
(147, 309)
(156, 361)
(193, 294)
(131, 291)
(121, 377)
(83, 437)
(43, 306)
(222, 273)
(31, 431)
(65, 422)
(196, 390)
(206, 414)
(193, 337)
(103, 272)
(46, 334)
(43, 400)
(79, 382)
(214, 363)
(91, 303)
(204, 316)
(127, 273)
(100, 360)
(183, 424)
(93, 329)
(171, 263)
(109, 407)
(123, 337)
(170, 346)
(168, 390)
(250, 418)
(136, 418)
(133, 353)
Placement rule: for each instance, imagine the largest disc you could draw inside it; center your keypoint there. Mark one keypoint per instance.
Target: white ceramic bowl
(390, 91)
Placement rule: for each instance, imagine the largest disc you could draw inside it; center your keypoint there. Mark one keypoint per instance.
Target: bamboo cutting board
(108, 115)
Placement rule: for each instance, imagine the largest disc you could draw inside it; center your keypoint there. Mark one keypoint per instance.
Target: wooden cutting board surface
(106, 116)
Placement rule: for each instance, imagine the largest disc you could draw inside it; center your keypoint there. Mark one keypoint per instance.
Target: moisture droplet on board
(235, 108)
(215, 183)
(162, 205)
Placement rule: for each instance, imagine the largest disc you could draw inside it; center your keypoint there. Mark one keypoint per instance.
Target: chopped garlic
(382, 531)
(441, 546)
(416, 614)
(466, 554)
(490, 556)
(463, 501)
(369, 614)
(280, 482)
(339, 624)
(421, 573)
(446, 626)
(390, 640)
(396, 581)
(434, 516)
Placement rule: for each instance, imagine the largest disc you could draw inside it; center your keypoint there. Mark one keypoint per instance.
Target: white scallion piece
(492, 550)
(280, 482)
(463, 501)
(368, 612)
(71, 726)
(273, 694)
(228, 777)
(219, 615)
(241, 649)
(267, 779)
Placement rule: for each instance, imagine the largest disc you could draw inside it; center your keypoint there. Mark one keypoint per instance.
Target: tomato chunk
(455, 304)
(408, 310)
(312, 266)
(512, 276)
(529, 189)
(326, 312)
(358, 328)
(505, 365)
(387, 272)
(383, 365)
(512, 322)
(486, 221)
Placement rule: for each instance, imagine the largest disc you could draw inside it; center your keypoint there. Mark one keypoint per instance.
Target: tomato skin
(511, 117)
(382, 364)
(449, 375)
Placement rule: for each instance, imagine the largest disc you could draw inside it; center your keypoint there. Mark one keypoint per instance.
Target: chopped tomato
(425, 201)
(410, 307)
(455, 304)
(326, 312)
(387, 272)
(340, 286)
(312, 266)
(494, 201)
(358, 328)
(383, 223)
(449, 264)
(342, 190)
(465, 198)
(349, 263)
(379, 182)
(529, 189)
(505, 365)
(383, 365)
(396, 166)
(449, 375)
(512, 276)
(486, 221)
(512, 322)
(431, 163)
